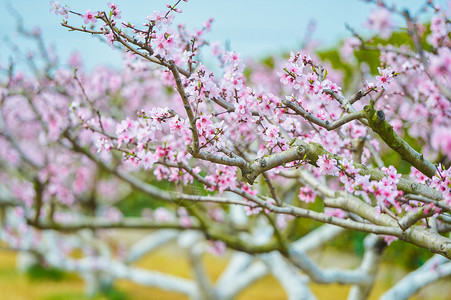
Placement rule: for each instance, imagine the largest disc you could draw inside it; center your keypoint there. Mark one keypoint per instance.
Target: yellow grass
(16, 286)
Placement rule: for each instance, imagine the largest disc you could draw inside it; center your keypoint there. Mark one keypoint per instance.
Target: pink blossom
(362, 182)
(347, 182)
(89, 16)
(224, 178)
(271, 135)
(162, 152)
(202, 123)
(441, 140)
(103, 145)
(184, 219)
(313, 85)
(362, 186)
(147, 159)
(384, 191)
(81, 180)
(321, 114)
(216, 214)
(160, 19)
(447, 199)
(176, 125)
(282, 220)
(418, 176)
(161, 214)
(381, 21)
(441, 63)
(217, 248)
(115, 12)
(385, 78)
(348, 47)
(231, 56)
(307, 194)
(332, 85)
(248, 189)
(160, 47)
(253, 209)
(389, 239)
(57, 9)
(439, 31)
(392, 173)
(158, 115)
(334, 212)
(113, 214)
(75, 60)
(327, 166)
(349, 168)
(110, 38)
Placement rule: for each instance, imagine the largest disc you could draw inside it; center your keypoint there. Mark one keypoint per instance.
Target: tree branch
(377, 122)
(325, 124)
(187, 105)
(435, 268)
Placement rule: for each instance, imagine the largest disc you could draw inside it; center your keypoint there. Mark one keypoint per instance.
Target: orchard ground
(171, 260)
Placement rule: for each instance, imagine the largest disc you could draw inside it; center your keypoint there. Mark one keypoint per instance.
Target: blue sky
(253, 27)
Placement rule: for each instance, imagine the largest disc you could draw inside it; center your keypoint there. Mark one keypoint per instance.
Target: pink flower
(203, 123)
(334, 212)
(103, 145)
(161, 214)
(385, 78)
(184, 218)
(224, 178)
(176, 125)
(75, 60)
(447, 198)
(392, 174)
(362, 182)
(89, 16)
(114, 10)
(349, 167)
(113, 214)
(110, 38)
(389, 239)
(439, 31)
(57, 9)
(321, 114)
(306, 194)
(248, 189)
(381, 21)
(231, 56)
(282, 220)
(242, 110)
(327, 166)
(441, 140)
(271, 135)
(147, 159)
(418, 176)
(348, 47)
(217, 248)
(441, 63)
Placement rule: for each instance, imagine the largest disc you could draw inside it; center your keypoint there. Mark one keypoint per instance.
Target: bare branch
(435, 268)
(325, 124)
(412, 217)
(103, 223)
(377, 122)
(187, 106)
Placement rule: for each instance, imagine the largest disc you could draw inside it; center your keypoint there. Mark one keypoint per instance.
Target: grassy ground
(17, 286)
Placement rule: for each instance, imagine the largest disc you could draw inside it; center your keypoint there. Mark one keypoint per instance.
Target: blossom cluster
(182, 123)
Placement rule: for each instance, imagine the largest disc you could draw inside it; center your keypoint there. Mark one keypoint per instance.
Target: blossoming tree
(234, 159)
